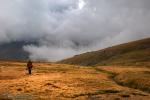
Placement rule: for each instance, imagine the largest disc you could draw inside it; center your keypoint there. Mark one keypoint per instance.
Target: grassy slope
(137, 80)
(135, 53)
(133, 77)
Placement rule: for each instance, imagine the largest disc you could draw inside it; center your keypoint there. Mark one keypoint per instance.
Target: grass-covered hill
(136, 53)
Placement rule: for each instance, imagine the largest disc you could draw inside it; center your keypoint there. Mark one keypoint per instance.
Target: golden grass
(134, 77)
(137, 80)
(62, 82)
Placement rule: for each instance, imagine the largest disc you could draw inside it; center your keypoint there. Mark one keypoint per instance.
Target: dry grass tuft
(137, 80)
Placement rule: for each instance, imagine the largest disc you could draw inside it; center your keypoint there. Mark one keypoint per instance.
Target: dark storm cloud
(67, 27)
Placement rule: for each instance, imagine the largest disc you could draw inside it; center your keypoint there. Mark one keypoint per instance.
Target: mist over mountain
(136, 53)
(63, 28)
(14, 50)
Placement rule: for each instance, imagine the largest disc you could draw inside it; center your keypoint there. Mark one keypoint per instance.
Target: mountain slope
(13, 51)
(133, 53)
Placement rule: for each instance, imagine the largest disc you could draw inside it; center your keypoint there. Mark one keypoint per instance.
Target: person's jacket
(29, 65)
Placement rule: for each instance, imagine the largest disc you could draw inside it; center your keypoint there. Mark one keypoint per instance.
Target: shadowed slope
(14, 50)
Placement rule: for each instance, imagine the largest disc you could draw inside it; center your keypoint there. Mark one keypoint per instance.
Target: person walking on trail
(29, 66)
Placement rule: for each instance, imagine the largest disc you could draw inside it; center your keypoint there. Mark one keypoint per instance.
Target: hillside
(136, 53)
(13, 51)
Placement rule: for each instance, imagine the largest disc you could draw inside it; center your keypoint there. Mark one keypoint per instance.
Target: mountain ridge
(132, 53)
(14, 50)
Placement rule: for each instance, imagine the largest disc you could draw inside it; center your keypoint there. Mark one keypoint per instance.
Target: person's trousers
(29, 69)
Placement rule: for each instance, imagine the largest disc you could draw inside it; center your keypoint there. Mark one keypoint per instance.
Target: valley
(73, 82)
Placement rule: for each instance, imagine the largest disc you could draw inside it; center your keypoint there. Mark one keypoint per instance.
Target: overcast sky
(64, 28)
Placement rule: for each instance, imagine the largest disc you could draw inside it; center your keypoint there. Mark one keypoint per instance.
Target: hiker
(29, 66)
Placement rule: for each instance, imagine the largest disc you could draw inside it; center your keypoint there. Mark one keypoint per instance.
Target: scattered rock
(117, 99)
(19, 89)
(125, 95)
(48, 84)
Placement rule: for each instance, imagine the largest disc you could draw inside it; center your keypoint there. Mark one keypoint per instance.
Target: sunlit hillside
(135, 53)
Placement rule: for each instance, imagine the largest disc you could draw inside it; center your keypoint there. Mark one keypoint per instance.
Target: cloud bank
(63, 28)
